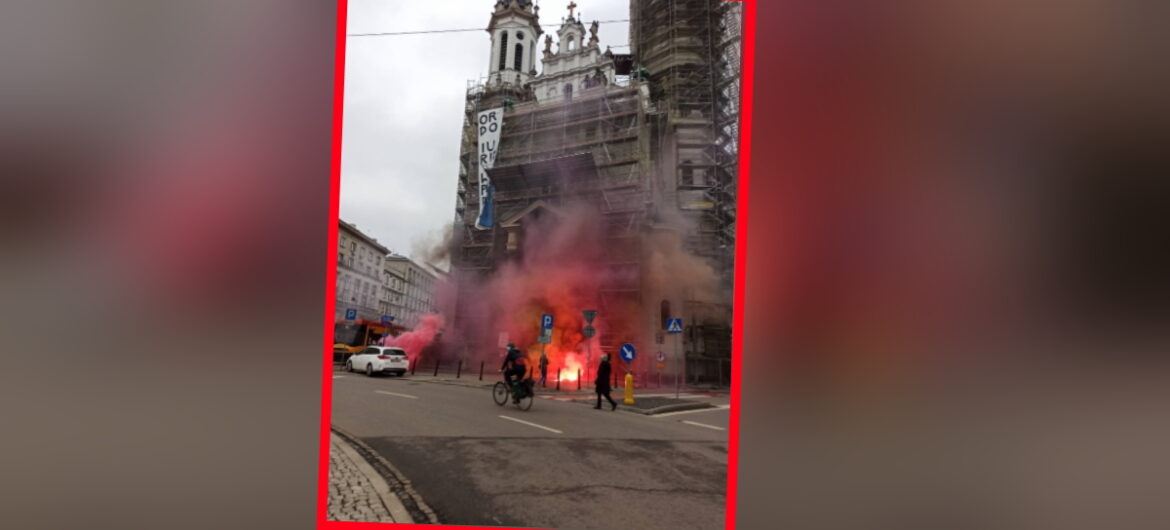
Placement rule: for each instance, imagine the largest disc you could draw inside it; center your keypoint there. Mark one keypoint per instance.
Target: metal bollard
(459, 369)
(578, 379)
(558, 378)
(629, 388)
(436, 367)
(481, 370)
(414, 365)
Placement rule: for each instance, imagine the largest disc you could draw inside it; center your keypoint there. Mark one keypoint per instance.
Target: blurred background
(957, 256)
(958, 245)
(165, 197)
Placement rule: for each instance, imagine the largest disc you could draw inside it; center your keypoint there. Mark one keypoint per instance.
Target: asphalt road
(560, 465)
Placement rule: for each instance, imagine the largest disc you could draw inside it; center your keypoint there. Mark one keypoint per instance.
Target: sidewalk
(356, 491)
(568, 388)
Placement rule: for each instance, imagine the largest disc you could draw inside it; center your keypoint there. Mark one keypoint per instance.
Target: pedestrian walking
(543, 368)
(603, 389)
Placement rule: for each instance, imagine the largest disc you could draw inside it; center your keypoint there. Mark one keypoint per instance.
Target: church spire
(514, 28)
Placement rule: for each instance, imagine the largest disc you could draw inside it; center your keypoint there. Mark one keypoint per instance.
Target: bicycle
(523, 389)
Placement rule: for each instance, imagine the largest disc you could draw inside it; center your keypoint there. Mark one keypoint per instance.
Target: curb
(411, 502)
(392, 503)
(490, 384)
(673, 407)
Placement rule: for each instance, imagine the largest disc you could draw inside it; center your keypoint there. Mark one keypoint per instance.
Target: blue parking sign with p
(546, 321)
(350, 314)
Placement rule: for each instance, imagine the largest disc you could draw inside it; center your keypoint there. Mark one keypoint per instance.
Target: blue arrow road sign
(350, 314)
(627, 352)
(546, 321)
(674, 325)
(386, 319)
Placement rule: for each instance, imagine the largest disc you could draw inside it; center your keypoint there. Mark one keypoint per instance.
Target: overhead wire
(431, 31)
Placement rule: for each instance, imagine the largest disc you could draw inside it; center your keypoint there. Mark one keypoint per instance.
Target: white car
(378, 360)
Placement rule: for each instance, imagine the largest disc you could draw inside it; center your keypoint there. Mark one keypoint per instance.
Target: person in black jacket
(603, 374)
(514, 368)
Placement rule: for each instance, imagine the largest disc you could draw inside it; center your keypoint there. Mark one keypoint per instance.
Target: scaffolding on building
(664, 136)
(603, 128)
(690, 51)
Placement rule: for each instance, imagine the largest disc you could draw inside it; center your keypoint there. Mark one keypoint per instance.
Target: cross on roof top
(572, 5)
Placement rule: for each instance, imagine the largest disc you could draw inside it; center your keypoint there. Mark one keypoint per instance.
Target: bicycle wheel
(526, 401)
(500, 393)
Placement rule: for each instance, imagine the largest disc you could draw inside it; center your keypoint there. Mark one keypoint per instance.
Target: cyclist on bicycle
(514, 366)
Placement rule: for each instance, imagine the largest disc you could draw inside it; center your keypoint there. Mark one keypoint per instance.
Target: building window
(503, 50)
(569, 91)
(688, 173)
(517, 61)
(570, 46)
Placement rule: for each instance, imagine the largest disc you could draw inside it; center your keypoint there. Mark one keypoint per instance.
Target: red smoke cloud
(561, 265)
(415, 341)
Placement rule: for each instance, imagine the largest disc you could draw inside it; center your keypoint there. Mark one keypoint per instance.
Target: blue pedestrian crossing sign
(546, 321)
(627, 352)
(674, 325)
(350, 314)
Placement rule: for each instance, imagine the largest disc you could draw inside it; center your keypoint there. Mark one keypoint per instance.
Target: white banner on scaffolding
(490, 123)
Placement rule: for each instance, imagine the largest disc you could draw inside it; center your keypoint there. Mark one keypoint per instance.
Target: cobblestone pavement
(353, 495)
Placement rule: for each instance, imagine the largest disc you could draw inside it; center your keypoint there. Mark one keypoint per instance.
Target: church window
(503, 50)
(518, 60)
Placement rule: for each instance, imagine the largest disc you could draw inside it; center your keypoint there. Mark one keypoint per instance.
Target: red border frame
(747, 82)
(746, 92)
(331, 269)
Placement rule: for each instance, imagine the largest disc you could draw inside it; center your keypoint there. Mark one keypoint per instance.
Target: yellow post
(629, 388)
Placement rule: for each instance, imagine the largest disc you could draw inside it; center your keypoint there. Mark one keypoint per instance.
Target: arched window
(570, 46)
(569, 91)
(503, 50)
(518, 60)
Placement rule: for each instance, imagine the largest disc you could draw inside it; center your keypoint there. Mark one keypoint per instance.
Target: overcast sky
(404, 97)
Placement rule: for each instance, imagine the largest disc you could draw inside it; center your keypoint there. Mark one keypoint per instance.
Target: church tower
(514, 27)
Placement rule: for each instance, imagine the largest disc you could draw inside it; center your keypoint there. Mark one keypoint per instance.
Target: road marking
(697, 424)
(692, 411)
(550, 429)
(408, 396)
(339, 377)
